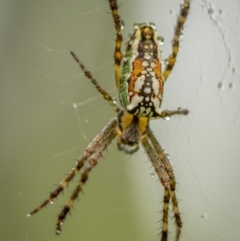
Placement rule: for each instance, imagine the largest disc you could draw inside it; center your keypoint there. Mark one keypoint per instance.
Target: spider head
(132, 128)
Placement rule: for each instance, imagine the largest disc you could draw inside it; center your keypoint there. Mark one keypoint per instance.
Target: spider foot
(58, 226)
(166, 114)
(183, 111)
(58, 229)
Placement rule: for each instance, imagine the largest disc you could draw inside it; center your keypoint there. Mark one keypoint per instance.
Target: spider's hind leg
(118, 24)
(177, 34)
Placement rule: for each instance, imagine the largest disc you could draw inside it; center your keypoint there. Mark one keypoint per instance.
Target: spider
(140, 87)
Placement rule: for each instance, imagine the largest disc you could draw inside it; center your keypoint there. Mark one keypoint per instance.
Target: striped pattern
(177, 34)
(169, 192)
(118, 23)
(94, 153)
(91, 155)
(103, 92)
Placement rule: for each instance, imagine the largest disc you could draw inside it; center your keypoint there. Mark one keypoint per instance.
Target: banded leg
(92, 160)
(97, 141)
(168, 113)
(104, 93)
(177, 34)
(165, 160)
(118, 23)
(164, 178)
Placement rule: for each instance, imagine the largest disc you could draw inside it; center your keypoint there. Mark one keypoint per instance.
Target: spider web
(50, 112)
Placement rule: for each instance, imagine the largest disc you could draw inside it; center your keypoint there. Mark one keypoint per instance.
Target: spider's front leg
(92, 154)
(164, 178)
(100, 144)
(168, 168)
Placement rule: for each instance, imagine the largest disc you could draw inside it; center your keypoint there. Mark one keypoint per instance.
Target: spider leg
(98, 140)
(102, 143)
(104, 93)
(177, 34)
(164, 178)
(118, 24)
(165, 160)
(168, 113)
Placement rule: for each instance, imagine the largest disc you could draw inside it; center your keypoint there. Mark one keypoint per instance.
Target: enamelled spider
(140, 87)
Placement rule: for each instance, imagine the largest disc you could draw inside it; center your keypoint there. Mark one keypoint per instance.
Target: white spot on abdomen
(155, 85)
(145, 63)
(136, 99)
(156, 103)
(139, 83)
(147, 90)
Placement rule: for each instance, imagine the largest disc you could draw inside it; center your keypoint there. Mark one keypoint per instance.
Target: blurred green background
(50, 112)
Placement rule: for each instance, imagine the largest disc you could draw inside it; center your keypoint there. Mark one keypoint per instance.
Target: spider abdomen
(141, 87)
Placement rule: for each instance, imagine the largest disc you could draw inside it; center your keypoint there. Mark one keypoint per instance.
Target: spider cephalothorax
(131, 130)
(140, 87)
